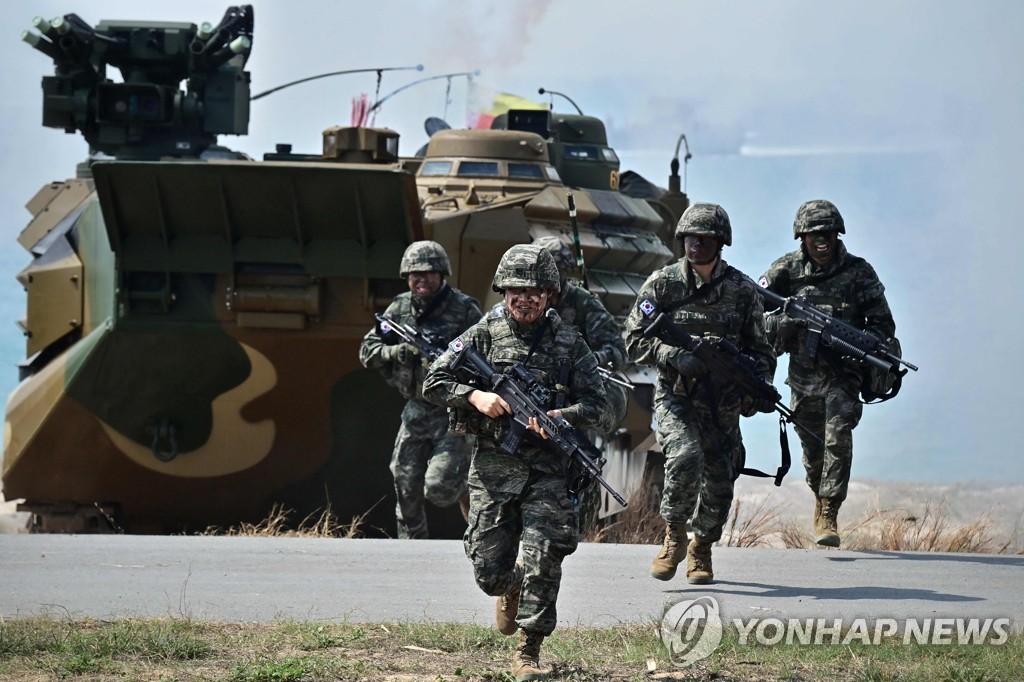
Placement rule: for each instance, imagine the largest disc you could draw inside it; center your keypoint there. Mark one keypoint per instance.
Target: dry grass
(639, 524)
(931, 531)
(751, 523)
(757, 523)
(752, 526)
(279, 523)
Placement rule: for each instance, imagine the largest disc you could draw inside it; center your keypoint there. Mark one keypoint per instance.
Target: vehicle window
(436, 168)
(525, 170)
(581, 152)
(488, 168)
(609, 154)
(552, 173)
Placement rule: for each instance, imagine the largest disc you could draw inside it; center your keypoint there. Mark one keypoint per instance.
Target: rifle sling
(787, 459)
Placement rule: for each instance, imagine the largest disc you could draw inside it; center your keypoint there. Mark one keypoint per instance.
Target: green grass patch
(166, 650)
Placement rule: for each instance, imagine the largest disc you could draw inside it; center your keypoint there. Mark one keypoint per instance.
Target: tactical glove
(402, 353)
(687, 364)
(783, 331)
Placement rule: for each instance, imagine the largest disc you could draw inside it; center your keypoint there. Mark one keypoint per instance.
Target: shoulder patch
(498, 309)
(456, 345)
(647, 308)
(763, 281)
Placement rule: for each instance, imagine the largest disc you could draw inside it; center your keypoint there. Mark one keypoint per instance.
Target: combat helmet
(559, 250)
(425, 256)
(526, 265)
(705, 219)
(817, 215)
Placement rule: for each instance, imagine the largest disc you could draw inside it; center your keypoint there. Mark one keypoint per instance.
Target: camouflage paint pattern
(824, 387)
(225, 332)
(520, 497)
(701, 457)
(426, 461)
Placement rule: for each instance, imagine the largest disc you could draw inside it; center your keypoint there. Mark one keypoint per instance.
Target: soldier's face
(526, 304)
(699, 249)
(424, 283)
(821, 246)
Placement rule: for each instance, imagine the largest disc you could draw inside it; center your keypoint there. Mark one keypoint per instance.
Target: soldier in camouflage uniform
(698, 419)
(579, 307)
(427, 461)
(823, 386)
(521, 497)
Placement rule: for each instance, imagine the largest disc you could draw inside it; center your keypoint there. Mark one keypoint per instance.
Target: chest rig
(711, 310)
(548, 360)
(833, 293)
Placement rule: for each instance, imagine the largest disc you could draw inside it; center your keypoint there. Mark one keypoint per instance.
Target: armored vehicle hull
(208, 363)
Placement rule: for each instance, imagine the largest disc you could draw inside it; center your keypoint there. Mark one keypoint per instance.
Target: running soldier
(824, 387)
(427, 461)
(521, 496)
(698, 419)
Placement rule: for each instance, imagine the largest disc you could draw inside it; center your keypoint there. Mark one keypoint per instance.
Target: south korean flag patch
(763, 282)
(385, 328)
(646, 307)
(456, 345)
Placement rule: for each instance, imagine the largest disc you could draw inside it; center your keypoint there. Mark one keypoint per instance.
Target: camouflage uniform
(578, 306)
(427, 460)
(520, 497)
(702, 454)
(824, 388)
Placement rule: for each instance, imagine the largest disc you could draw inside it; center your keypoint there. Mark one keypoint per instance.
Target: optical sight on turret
(147, 115)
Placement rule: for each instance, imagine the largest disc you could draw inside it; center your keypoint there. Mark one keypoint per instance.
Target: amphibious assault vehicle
(193, 316)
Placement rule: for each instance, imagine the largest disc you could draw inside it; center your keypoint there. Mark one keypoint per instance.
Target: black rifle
(727, 364)
(844, 338)
(426, 346)
(525, 396)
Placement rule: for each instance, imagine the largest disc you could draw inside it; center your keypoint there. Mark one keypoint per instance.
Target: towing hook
(165, 440)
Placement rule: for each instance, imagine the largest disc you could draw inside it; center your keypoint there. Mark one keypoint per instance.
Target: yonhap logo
(691, 630)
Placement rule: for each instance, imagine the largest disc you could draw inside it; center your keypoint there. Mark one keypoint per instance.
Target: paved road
(266, 579)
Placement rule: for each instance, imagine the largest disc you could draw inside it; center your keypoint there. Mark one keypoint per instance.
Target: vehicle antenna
(675, 160)
(385, 98)
(418, 67)
(542, 91)
(580, 263)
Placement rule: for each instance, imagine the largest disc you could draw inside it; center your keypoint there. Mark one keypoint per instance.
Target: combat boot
(698, 563)
(672, 549)
(507, 608)
(826, 522)
(526, 660)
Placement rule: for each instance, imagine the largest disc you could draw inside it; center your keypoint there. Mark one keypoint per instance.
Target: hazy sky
(907, 114)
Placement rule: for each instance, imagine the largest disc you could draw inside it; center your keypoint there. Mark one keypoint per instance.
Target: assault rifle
(426, 346)
(612, 377)
(844, 338)
(727, 364)
(525, 395)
